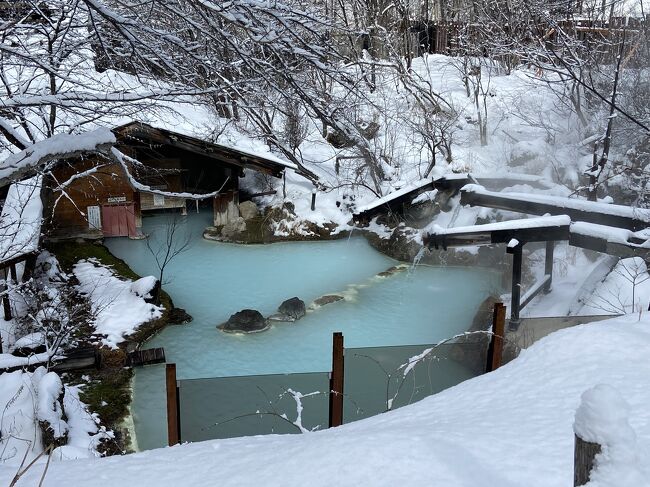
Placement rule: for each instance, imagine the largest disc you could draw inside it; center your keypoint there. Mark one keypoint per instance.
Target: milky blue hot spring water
(213, 280)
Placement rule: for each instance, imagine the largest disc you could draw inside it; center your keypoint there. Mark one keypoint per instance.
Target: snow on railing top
(569, 203)
(395, 194)
(640, 239)
(540, 222)
(20, 220)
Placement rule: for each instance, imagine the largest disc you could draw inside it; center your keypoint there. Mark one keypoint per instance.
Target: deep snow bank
(512, 427)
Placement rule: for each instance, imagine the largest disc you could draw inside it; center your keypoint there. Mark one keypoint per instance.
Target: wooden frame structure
(547, 230)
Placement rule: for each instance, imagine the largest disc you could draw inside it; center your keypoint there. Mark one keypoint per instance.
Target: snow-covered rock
(119, 311)
(248, 210)
(143, 286)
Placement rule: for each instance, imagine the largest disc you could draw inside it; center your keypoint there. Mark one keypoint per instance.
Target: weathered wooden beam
(534, 290)
(79, 359)
(18, 259)
(150, 356)
(6, 305)
(510, 203)
(482, 237)
(173, 407)
(393, 205)
(495, 349)
(548, 265)
(584, 456)
(336, 381)
(515, 300)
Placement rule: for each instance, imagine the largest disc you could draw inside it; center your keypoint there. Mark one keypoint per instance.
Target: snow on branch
(124, 161)
(20, 220)
(27, 162)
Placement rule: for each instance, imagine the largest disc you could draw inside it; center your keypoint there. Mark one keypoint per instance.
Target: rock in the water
(281, 317)
(247, 210)
(233, 227)
(245, 321)
(178, 316)
(392, 270)
(327, 299)
(294, 308)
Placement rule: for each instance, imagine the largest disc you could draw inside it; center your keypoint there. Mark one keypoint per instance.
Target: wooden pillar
(336, 381)
(30, 267)
(14, 273)
(548, 265)
(583, 460)
(517, 256)
(173, 409)
(495, 349)
(6, 305)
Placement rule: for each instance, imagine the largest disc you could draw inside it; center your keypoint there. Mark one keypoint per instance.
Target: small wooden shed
(164, 170)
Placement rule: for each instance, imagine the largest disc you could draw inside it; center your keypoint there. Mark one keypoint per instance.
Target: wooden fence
(336, 383)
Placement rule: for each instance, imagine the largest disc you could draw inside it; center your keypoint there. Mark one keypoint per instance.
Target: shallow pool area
(212, 280)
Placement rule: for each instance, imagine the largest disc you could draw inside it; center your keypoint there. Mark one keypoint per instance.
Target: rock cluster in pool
(252, 321)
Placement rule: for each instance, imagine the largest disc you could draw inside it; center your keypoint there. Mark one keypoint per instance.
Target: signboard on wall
(94, 220)
(116, 199)
(158, 199)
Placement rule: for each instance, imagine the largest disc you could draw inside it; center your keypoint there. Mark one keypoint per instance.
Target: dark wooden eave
(138, 133)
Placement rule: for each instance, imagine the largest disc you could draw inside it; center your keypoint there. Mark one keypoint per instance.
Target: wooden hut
(164, 170)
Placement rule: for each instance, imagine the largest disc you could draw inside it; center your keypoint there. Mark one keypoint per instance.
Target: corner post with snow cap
(515, 234)
(515, 247)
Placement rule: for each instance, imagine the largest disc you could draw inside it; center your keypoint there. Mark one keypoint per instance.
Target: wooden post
(284, 185)
(548, 265)
(583, 460)
(30, 266)
(336, 381)
(6, 305)
(313, 199)
(173, 410)
(13, 273)
(495, 349)
(515, 301)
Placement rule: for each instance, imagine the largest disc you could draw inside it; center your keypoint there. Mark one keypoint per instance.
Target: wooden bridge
(613, 229)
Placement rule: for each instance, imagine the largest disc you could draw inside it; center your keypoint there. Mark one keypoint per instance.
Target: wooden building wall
(107, 186)
(107, 197)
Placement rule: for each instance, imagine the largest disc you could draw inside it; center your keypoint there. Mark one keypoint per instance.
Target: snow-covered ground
(118, 304)
(28, 398)
(512, 427)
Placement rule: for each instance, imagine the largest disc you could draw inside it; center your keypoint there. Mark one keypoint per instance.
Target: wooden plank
(517, 257)
(336, 381)
(495, 349)
(548, 265)
(149, 356)
(173, 423)
(583, 460)
(534, 290)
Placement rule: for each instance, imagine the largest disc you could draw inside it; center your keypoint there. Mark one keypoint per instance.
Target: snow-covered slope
(510, 428)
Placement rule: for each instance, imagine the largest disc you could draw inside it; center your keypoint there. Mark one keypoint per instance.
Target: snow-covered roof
(243, 154)
(20, 221)
(24, 163)
(404, 190)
